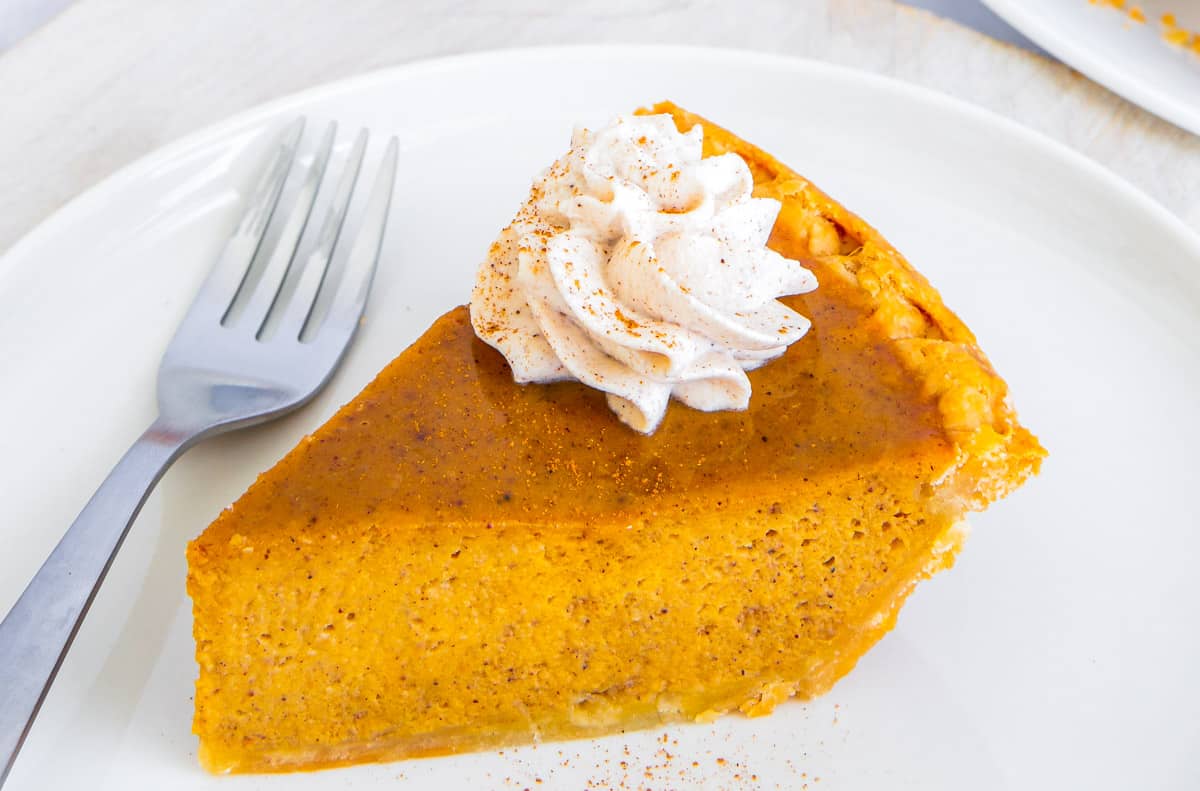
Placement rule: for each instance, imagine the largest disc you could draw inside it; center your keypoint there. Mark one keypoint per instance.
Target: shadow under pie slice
(456, 562)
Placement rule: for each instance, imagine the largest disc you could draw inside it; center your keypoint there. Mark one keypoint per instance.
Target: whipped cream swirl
(641, 269)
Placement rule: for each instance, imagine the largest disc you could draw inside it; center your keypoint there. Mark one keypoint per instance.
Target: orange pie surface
(456, 562)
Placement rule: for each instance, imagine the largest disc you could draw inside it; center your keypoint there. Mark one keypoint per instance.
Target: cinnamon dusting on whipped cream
(641, 269)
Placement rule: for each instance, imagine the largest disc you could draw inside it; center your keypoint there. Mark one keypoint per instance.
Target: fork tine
(223, 281)
(316, 262)
(351, 295)
(267, 288)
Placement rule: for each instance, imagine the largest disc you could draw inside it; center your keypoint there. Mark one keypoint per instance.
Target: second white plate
(1127, 57)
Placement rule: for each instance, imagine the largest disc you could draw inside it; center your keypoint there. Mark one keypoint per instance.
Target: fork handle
(37, 632)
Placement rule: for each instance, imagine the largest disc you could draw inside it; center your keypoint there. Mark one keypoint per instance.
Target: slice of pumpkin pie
(628, 485)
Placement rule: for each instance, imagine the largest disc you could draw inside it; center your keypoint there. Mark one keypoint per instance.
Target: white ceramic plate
(1126, 57)
(1060, 652)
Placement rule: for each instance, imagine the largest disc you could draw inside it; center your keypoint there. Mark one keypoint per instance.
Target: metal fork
(222, 371)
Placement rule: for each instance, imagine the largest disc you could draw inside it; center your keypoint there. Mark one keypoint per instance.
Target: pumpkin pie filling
(457, 562)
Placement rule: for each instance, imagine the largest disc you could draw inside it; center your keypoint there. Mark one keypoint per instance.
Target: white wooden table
(107, 81)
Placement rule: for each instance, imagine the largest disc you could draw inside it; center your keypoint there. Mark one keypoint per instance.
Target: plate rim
(1031, 139)
(1137, 91)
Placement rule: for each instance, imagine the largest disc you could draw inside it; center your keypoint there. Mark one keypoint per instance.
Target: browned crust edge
(996, 453)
